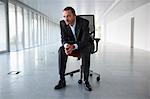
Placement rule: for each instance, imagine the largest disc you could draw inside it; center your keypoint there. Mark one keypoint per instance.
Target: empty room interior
(30, 38)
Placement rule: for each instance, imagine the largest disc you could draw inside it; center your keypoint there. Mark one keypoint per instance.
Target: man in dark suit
(75, 37)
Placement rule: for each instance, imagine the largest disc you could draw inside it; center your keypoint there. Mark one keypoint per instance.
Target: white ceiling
(110, 9)
(123, 7)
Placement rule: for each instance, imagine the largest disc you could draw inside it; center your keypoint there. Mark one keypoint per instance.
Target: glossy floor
(125, 74)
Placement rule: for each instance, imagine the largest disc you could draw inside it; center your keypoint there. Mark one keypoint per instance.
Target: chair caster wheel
(71, 75)
(91, 74)
(80, 81)
(98, 78)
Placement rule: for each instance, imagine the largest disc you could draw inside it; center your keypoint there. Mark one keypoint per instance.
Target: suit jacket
(81, 32)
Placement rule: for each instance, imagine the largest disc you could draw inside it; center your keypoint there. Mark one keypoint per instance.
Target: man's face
(69, 17)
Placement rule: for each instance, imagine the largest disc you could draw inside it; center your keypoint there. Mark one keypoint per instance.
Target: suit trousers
(85, 56)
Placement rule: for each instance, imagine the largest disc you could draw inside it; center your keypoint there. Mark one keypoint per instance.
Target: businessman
(75, 37)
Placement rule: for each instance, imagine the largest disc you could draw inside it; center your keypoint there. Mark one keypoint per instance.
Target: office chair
(94, 49)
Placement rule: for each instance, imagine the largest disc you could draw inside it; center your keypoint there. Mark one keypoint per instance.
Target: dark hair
(70, 8)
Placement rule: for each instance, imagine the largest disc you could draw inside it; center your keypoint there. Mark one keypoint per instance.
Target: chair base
(72, 72)
(81, 76)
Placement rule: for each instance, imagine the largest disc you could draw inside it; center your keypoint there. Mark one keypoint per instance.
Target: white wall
(141, 27)
(119, 30)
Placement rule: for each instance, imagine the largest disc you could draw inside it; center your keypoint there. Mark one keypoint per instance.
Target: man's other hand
(69, 48)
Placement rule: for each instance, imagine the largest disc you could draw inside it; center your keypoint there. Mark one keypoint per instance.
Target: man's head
(69, 15)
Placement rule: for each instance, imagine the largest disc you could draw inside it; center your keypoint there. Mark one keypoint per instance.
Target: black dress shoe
(61, 84)
(88, 86)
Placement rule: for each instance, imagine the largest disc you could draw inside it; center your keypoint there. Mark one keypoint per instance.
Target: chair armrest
(96, 47)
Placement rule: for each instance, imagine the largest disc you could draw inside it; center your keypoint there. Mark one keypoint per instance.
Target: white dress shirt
(73, 31)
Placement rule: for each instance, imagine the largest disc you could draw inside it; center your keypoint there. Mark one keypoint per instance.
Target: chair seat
(75, 53)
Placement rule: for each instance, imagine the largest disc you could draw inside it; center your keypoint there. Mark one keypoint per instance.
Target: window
(12, 27)
(19, 28)
(39, 30)
(35, 30)
(31, 21)
(26, 28)
(42, 30)
(3, 33)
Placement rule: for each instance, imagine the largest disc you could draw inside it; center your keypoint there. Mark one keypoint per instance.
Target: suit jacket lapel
(69, 31)
(77, 29)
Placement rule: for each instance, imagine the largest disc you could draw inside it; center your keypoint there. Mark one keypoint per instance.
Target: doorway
(132, 31)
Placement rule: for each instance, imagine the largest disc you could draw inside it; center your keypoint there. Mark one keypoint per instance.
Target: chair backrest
(91, 20)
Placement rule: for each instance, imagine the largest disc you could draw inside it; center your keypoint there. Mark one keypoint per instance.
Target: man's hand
(69, 48)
